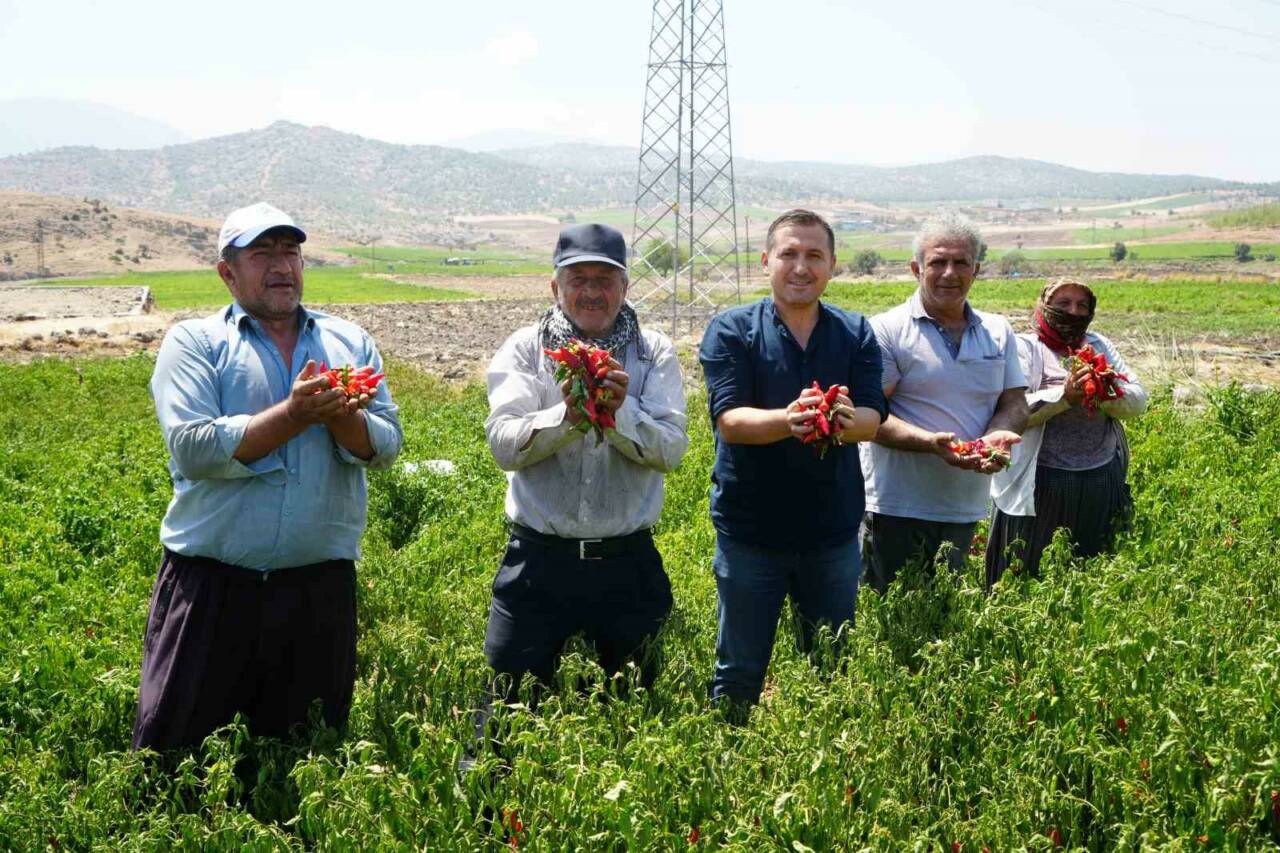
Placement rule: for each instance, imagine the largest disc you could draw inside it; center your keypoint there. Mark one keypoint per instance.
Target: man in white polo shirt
(950, 373)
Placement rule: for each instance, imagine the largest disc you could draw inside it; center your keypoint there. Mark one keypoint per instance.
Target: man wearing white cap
(253, 611)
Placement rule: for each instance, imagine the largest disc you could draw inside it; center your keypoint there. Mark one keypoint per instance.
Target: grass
(1260, 216)
(1126, 703)
(1124, 235)
(430, 261)
(322, 286)
(1183, 307)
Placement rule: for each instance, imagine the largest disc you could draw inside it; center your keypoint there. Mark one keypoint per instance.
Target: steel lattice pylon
(685, 239)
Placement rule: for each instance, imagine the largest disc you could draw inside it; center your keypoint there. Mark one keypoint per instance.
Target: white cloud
(511, 49)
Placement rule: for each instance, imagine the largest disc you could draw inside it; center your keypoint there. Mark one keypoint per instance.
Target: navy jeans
(753, 583)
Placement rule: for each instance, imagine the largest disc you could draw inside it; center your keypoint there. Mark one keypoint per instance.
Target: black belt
(586, 549)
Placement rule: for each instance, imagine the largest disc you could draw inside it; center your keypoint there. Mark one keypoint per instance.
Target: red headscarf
(1060, 330)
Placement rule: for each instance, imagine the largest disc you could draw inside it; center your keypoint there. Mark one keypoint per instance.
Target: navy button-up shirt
(782, 495)
(303, 502)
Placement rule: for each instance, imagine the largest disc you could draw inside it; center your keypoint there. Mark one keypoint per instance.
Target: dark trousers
(753, 582)
(545, 592)
(223, 640)
(889, 542)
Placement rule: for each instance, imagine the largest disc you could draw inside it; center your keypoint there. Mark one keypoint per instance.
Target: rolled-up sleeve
(382, 419)
(519, 430)
(866, 370)
(652, 426)
(202, 441)
(726, 369)
(1134, 401)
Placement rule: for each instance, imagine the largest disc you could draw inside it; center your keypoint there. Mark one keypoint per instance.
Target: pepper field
(1129, 702)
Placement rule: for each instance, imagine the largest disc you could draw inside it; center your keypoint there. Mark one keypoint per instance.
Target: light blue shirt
(940, 388)
(305, 501)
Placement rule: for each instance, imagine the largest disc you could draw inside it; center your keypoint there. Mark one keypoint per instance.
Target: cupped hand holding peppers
(821, 418)
(615, 381)
(1097, 380)
(312, 399)
(593, 383)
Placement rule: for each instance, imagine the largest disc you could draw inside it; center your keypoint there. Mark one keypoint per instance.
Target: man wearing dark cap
(253, 611)
(581, 557)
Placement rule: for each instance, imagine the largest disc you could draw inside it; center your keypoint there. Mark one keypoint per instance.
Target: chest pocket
(984, 373)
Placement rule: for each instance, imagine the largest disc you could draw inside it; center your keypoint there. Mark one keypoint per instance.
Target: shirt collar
(237, 316)
(771, 312)
(916, 304)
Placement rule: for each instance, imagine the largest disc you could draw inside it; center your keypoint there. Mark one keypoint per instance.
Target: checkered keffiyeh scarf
(555, 329)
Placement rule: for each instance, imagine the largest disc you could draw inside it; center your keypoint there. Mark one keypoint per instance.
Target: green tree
(865, 262)
(1013, 262)
(1244, 252)
(1118, 252)
(657, 253)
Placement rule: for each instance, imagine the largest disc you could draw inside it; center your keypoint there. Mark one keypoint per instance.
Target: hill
(335, 182)
(88, 235)
(34, 124)
(966, 179)
(344, 184)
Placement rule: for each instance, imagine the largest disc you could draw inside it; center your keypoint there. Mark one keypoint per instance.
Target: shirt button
(293, 470)
(286, 512)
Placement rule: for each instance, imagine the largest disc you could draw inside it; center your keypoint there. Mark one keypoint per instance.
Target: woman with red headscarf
(1070, 470)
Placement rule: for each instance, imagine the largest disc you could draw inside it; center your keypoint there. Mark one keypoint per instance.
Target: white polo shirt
(939, 391)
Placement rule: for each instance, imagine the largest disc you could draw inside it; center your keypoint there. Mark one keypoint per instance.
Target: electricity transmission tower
(685, 237)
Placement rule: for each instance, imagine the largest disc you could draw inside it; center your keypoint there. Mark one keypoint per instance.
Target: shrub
(865, 262)
(1118, 252)
(1013, 263)
(1243, 252)
(657, 253)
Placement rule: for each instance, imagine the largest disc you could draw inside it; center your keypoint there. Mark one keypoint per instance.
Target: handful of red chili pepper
(353, 380)
(978, 447)
(1102, 383)
(825, 434)
(586, 367)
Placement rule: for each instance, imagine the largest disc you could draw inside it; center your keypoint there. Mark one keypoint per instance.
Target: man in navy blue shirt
(786, 520)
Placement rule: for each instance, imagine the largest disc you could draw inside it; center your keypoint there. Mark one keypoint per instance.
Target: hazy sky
(1123, 85)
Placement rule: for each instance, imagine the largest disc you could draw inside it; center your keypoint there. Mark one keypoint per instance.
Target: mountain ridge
(346, 184)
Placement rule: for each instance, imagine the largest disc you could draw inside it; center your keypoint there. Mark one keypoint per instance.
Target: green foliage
(1013, 263)
(1259, 216)
(1118, 252)
(322, 286)
(660, 255)
(1127, 702)
(1243, 253)
(865, 262)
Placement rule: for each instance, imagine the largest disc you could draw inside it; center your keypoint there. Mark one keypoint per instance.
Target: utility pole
(686, 204)
(39, 241)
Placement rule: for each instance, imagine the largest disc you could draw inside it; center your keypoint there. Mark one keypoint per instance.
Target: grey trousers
(889, 542)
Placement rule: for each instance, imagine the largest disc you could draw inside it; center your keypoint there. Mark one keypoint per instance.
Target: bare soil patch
(456, 339)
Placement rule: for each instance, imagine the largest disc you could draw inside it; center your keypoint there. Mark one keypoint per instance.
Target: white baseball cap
(245, 225)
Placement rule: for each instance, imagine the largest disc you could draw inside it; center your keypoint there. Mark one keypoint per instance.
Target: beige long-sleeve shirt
(564, 482)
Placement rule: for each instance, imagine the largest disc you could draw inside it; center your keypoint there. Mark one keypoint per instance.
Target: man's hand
(616, 381)
(842, 410)
(1003, 439)
(942, 445)
(800, 415)
(1073, 388)
(311, 400)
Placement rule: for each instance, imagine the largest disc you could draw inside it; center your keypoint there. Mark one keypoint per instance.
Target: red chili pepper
(587, 367)
(824, 434)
